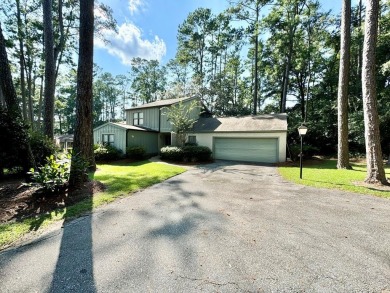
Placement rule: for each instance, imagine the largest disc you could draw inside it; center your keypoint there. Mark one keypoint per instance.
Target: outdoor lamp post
(302, 131)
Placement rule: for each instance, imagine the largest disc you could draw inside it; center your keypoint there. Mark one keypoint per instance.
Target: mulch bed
(18, 201)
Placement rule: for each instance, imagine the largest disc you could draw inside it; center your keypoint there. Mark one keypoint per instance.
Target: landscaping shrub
(170, 153)
(53, 175)
(191, 144)
(136, 152)
(106, 152)
(13, 136)
(196, 153)
(42, 147)
(186, 153)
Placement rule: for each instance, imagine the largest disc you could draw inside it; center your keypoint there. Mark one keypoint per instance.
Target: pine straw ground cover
(25, 210)
(324, 174)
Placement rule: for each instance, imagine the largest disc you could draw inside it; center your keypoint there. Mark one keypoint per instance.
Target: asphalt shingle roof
(268, 123)
(161, 103)
(125, 126)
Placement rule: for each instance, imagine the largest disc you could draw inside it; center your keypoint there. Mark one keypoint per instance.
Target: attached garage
(261, 150)
(260, 139)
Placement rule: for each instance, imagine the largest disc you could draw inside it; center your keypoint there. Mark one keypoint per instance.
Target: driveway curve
(222, 227)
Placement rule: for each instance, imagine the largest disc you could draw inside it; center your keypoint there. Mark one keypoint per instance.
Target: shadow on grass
(330, 183)
(323, 165)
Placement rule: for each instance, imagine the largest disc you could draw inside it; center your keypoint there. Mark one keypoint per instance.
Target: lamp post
(302, 132)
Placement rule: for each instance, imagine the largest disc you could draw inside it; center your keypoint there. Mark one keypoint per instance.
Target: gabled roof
(259, 123)
(124, 126)
(64, 137)
(162, 103)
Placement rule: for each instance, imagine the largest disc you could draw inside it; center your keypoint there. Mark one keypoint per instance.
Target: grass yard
(325, 174)
(120, 178)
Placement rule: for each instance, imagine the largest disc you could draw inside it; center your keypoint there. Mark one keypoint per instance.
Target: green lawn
(121, 179)
(325, 174)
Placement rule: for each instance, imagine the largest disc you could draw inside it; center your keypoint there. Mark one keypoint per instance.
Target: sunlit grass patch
(325, 174)
(120, 178)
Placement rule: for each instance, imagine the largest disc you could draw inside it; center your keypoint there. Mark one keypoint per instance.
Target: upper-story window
(108, 139)
(138, 118)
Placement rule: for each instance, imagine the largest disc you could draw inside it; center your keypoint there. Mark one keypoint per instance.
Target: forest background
(255, 57)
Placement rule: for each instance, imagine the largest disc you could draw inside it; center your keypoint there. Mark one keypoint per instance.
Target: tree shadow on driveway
(74, 268)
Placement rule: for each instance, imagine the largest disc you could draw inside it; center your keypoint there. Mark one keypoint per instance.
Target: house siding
(206, 139)
(119, 135)
(148, 140)
(152, 119)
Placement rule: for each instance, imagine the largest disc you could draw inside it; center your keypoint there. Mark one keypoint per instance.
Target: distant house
(65, 142)
(259, 138)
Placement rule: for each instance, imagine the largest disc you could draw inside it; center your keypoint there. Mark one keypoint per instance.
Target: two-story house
(260, 138)
(146, 125)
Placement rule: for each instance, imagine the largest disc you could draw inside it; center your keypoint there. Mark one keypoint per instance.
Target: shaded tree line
(258, 56)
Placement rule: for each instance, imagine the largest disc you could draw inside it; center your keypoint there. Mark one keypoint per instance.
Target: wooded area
(256, 57)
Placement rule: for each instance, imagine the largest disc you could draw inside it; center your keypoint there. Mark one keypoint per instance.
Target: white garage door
(262, 150)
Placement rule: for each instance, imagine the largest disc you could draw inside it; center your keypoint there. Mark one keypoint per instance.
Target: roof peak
(162, 103)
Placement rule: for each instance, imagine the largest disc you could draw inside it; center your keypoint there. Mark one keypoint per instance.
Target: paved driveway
(217, 228)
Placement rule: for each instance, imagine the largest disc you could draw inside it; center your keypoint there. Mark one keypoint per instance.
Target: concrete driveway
(223, 227)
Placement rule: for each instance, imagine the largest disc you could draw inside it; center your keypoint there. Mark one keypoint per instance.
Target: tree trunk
(83, 135)
(256, 73)
(285, 85)
(48, 115)
(375, 169)
(12, 105)
(39, 114)
(2, 99)
(342, 98)
(21, 61)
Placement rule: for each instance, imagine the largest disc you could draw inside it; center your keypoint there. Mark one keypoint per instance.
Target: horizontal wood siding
(151, 119)
(148, 140)
(118, 132)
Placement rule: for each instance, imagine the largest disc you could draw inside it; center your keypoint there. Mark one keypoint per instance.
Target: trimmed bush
(170, 153)
(186, 154)
(191, 144)
(105, 152)
(196, 153)
(136, 152)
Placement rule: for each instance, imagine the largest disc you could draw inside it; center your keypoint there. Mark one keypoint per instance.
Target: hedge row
(186, 154)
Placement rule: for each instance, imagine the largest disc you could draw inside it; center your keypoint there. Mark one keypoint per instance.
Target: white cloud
(128, 44)
(135, 5)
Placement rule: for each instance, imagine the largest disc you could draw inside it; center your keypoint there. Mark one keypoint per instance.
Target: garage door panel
(246, 149)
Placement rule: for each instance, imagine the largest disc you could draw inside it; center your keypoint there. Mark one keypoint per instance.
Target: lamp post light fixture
(302, 132)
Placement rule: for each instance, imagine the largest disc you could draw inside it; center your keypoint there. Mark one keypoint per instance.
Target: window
(191, 139)
(108, 139)
(138, 118)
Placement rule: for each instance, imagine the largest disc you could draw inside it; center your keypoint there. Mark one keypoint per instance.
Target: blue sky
(148, 29)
